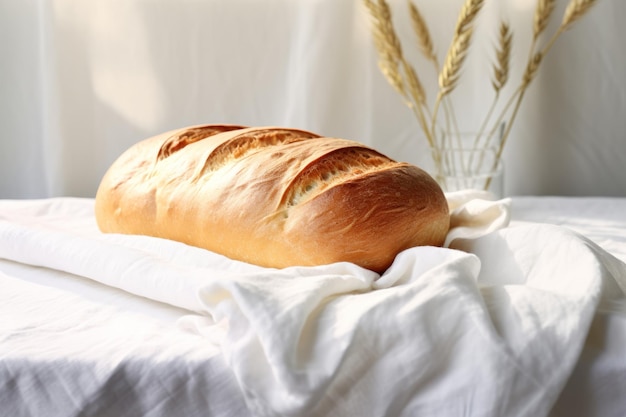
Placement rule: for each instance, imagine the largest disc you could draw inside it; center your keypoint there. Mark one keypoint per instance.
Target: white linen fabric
(600, 375)
(601, 219)
(71, 347)
(492, 326)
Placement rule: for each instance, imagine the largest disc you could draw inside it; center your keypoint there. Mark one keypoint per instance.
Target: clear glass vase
(465, 161)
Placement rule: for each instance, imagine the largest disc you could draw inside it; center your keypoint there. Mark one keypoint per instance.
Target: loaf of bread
(274, 197)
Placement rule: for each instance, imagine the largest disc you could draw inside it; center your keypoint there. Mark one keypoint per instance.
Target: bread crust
(272, 196)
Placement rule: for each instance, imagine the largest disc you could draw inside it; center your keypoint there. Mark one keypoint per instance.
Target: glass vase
(468, 161)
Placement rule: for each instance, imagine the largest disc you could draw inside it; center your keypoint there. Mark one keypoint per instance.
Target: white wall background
(80, 81)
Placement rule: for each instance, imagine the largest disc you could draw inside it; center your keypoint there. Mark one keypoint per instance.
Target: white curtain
(80, 81)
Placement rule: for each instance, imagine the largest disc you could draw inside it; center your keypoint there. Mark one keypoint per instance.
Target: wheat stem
(450, 72)
(503, 58)
(501, 76)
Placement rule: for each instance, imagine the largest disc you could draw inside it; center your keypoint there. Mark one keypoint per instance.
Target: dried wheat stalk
(426, 46)
(503, 55)
(451, 70)
(423, 34)
(468, 14)
(574, 11)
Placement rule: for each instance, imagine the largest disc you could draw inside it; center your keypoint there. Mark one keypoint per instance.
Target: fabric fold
(475, 213)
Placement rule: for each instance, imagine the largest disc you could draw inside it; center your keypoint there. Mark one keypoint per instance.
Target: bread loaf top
(271, 196)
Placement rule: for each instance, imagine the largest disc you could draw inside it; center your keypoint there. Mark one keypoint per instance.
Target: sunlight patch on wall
(123, 72)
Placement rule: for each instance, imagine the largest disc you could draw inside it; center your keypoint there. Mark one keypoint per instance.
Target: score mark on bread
(334, 167)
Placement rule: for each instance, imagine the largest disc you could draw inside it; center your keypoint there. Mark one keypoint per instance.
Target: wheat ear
(468, 14)
(387, 45)
(423, 33)
(503, 58)
(574, 11)
(460, 46)
(454, 61)
(542, 16)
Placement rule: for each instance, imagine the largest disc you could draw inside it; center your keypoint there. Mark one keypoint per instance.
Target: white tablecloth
(512, 328)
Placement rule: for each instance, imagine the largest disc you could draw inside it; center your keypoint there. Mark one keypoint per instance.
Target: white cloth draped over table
(492, 326)
(81, 81)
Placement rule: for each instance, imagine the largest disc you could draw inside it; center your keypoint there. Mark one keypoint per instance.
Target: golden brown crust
(274, 197)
